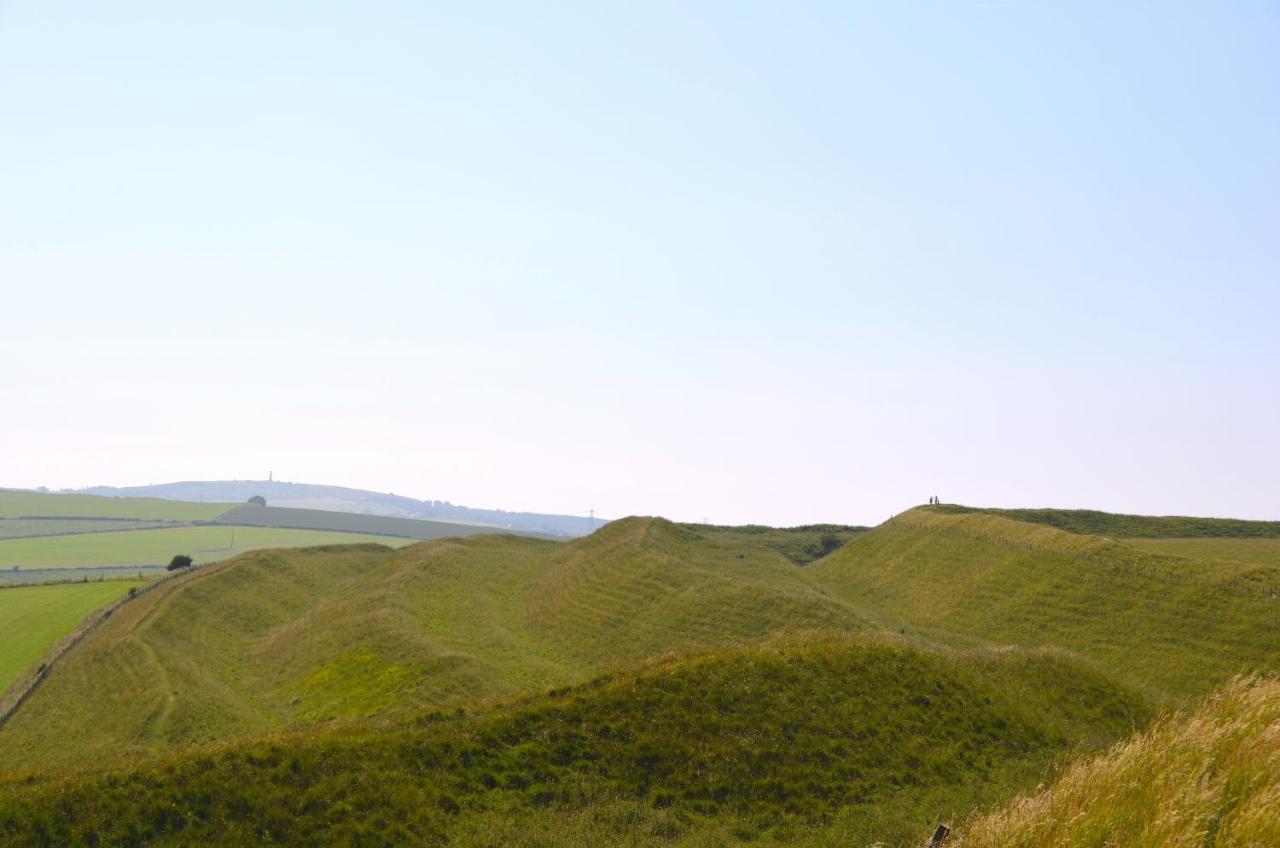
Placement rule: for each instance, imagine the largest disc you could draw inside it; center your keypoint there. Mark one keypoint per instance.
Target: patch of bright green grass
(764, 743)
(158, 546)
(34, 618)
(27, 504)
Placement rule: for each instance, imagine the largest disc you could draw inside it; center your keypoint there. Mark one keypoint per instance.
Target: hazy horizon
(749, 264)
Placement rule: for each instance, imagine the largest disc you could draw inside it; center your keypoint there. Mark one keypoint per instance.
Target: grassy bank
(767, 743)
(1211, 778)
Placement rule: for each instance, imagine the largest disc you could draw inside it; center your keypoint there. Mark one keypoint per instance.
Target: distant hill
(343, 499)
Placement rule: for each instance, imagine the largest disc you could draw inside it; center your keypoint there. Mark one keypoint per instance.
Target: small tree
(179, 561)
(259, 500)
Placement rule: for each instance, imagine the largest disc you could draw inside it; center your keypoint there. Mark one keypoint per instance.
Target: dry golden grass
(1208, 779)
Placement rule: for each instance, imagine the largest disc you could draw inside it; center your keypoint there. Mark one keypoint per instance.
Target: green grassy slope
(206, 543)
(739, 744)
(33, 618)
(1117, 526)
(1209, 779)
(286, 638)
(15, 504)
(1174, 626)
(644, 585)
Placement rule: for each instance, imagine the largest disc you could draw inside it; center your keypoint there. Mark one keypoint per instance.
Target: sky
(743, 262)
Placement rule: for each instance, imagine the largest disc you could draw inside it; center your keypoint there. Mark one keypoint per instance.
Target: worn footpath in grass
(28, 504)
(34, 618)
(1211, 778)
(158, 546)
(767, 742)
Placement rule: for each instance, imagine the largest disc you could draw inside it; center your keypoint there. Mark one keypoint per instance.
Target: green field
(157, 547)
(254, 515)
(38, 504)
(23, 528)
(33, 618)
(1257, 551)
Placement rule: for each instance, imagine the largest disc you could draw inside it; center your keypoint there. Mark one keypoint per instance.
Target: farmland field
(33, 618)
(26, 504)
(23, 528)
(252, 515)
(157, 547)
(1257, 551)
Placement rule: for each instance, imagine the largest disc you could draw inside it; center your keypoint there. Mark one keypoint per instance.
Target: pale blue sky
(776, 262)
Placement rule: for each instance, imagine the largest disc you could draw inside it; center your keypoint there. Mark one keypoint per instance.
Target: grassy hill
(1119, 526)
(744, 744)
(1174, 626)
(284, 638)
(33, 618)
(1211, 778)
